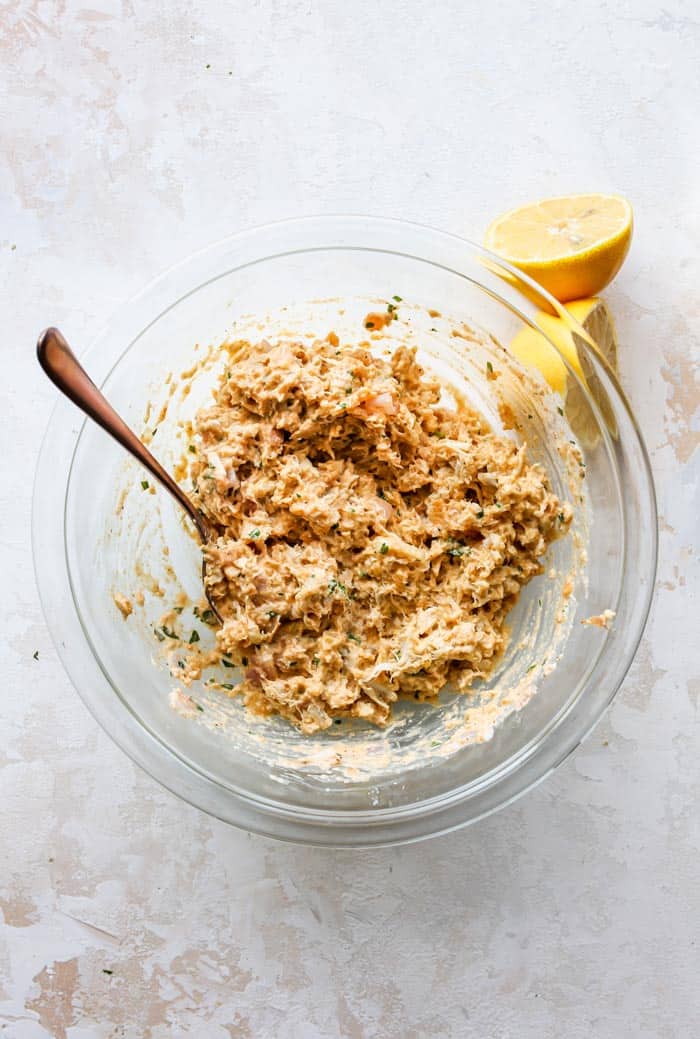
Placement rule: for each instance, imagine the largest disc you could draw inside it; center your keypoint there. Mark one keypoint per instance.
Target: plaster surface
(134, 133)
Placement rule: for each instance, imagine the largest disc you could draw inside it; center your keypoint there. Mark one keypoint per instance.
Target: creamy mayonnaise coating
(372, 540)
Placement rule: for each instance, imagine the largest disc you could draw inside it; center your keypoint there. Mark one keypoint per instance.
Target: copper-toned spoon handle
(65, 371)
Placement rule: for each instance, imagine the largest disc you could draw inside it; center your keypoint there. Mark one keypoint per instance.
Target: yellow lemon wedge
(573, 246)
(532, 349)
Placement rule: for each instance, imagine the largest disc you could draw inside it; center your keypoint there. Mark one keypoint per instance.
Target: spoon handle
(65, 371)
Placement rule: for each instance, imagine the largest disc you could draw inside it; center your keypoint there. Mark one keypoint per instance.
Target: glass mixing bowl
(93, 529)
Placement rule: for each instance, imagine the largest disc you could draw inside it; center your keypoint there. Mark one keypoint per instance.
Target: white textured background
(132, 133)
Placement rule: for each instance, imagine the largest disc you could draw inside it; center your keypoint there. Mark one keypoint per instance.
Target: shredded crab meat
(370, 541)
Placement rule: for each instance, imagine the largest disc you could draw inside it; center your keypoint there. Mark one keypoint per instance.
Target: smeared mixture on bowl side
(372, 540)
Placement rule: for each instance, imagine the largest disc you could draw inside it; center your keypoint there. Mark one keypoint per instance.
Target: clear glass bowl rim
(372, 827)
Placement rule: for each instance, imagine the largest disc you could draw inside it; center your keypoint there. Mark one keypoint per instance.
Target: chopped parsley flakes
(163, 633)
(459, 550)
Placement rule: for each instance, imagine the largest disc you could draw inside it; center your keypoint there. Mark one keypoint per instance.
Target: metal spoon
(65, 371)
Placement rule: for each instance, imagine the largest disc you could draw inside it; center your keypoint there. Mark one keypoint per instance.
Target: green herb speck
(254, 533)
(144, 485)
(561, 411)
(194, 637)
(459, 550)
(398, 299)
(35, 654)
(489, 366)
(354, 638)
(384, 548)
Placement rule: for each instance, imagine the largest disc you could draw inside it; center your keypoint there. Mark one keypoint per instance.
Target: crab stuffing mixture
(371, 540)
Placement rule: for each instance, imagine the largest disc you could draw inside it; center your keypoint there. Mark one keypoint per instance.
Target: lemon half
(533, 349)
(573, 245)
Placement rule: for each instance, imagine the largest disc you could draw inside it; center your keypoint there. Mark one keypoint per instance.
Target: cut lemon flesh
(573, 245)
